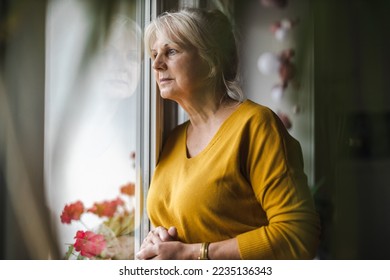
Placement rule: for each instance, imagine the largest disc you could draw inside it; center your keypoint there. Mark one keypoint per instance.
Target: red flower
(72, 212)
(132, 155)
(106, 208)
(89, 244)
(128, 189)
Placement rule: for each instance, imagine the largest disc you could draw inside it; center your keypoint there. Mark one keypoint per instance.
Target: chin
(166, 95)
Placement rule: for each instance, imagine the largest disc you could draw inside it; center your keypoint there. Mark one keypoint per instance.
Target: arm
(274, 166)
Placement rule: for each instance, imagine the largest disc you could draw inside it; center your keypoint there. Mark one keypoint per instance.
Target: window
(104, 118)
(96, 119)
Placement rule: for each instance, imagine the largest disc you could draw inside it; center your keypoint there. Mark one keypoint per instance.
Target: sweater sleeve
(274, 167)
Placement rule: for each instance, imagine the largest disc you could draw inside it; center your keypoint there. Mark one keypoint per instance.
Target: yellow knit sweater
(247, 183)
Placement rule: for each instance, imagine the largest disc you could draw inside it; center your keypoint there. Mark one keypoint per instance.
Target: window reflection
(90, 113)
(120, 62)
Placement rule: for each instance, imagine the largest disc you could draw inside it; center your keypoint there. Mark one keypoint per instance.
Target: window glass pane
(93, 79)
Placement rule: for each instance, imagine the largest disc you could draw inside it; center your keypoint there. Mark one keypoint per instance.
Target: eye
(154, 55)
(172, 52)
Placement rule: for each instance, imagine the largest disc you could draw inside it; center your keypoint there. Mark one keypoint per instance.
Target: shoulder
(177, 133)
(174, 142)
(254, 109)
(259, 115)
(179, 130)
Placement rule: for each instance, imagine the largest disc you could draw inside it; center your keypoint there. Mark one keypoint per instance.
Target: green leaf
(80, 257)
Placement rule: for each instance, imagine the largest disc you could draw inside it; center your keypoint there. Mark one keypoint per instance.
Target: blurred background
(77, 102)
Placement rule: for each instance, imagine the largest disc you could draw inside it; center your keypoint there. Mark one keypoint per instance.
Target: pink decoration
(287, 69)
(285, 120)
(281, 28)
(269, 63)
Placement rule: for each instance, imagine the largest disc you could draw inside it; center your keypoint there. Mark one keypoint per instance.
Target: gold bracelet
(204, 251)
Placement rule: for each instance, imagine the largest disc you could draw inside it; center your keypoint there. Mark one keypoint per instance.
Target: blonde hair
(210, 32)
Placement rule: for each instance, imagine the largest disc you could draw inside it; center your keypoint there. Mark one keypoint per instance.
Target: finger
(162, 234)
(155, 238)
(150, 237)
(141, 255)
(151, 233)
(144, 243)
(147, 253)
(172, 231)
(149, 240)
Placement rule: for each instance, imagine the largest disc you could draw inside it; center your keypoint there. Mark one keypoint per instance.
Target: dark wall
(352, 124)
(352, 121)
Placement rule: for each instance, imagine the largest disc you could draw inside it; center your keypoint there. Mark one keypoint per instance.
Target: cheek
(200, 68)
(155, 75)
(197, 75)
(132, 68)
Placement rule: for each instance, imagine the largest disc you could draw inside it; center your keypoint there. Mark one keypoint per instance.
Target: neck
(202, 109)
(209, 112)
(205, 120)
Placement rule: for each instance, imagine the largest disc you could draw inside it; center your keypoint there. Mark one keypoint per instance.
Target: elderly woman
(229, 183)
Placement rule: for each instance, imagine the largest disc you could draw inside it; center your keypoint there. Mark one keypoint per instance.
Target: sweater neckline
(216, 136)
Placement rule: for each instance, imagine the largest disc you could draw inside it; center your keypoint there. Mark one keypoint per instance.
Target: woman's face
(180, 72)
(121, 57)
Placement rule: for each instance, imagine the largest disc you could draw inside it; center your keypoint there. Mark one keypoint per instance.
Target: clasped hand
(161, 244)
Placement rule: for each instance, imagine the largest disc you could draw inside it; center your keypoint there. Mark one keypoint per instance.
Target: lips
(164, 80)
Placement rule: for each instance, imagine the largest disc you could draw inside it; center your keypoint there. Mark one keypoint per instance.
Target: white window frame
(149, 132)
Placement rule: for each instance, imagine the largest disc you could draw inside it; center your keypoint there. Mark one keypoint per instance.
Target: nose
(158, 63)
